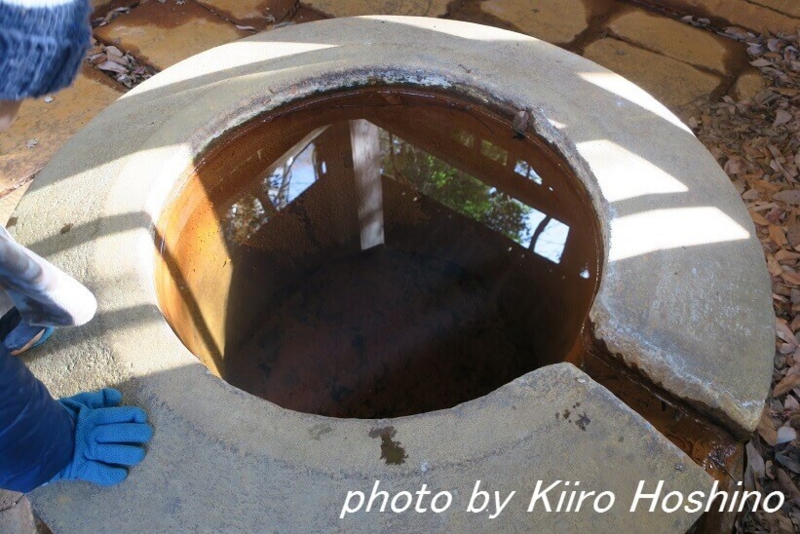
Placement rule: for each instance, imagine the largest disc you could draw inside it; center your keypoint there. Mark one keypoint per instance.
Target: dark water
(379, 254)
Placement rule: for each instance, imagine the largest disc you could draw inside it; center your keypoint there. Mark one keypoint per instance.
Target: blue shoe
(18, 336)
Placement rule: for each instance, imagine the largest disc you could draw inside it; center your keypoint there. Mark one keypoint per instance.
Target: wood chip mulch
(757, 143)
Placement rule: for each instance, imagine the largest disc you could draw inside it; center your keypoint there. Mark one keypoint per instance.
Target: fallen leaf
(783, 387)
(782, 117)
(789, 458)
(773, 266)
(790, 196)
(778, 235)
(766, 429)
(121, 60)
(112, 66)
(737, 33)
(732, 166)
(789, 487)
(751, 194)
(785, 435)
(793, 234)
(754, 460)
(761, 63)
(796, 296)
(520, 122)
(785, 333)
(795, 419)
(784, 255)
(758, 218)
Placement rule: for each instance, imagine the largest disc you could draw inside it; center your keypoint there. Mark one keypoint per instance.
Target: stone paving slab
(738, 12)
(256, 13)
(790, 7)
(51, 124)
(164, 34)
(673, 39)
(672, 82)
(554, 22)
(354, 8)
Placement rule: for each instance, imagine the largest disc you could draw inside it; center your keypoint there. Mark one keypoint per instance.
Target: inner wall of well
(502, 307)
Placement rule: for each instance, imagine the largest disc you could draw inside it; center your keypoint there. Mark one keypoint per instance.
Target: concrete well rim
(438, 62)
(719, 397)
(287, 469)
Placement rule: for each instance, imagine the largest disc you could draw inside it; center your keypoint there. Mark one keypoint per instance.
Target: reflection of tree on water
(455, 189)
(244, 218)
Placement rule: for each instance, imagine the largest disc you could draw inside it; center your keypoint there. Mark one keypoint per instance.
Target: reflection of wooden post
(366, 166)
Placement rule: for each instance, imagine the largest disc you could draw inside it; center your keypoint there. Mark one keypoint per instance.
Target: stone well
(678, 298)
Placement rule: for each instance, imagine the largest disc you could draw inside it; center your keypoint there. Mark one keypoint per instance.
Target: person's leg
(17, 335)
(5, 303)
(36, 432)
(43, 294)
(88, 436)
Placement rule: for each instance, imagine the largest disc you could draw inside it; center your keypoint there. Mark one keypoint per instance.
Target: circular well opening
(377, 252)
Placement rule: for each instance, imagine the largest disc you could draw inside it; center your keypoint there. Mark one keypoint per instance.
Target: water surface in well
(378, 253)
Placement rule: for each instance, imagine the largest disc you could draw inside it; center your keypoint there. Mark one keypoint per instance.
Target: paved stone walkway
(675, 61)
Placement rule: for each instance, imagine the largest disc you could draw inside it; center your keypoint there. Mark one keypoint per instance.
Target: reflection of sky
(532, 220)
(301, 175)
(525, 170)
(551, 242)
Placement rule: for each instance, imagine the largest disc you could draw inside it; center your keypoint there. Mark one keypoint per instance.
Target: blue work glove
(105, 398)
(108, 438)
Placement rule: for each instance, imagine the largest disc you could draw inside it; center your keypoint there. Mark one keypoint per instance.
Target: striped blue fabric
(41, 46)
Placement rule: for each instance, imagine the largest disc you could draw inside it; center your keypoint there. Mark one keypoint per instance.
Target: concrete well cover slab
(683, 296)
(297, 476)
